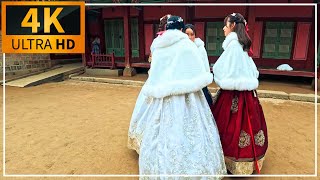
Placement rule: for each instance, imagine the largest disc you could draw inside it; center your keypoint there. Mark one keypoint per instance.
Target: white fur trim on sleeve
(178, 87)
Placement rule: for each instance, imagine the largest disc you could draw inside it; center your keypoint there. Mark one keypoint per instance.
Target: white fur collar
(198, 42)
(231, 37)
(168, 38)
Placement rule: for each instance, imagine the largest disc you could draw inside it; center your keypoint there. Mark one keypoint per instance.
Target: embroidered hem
(242, 167)
(133, 144)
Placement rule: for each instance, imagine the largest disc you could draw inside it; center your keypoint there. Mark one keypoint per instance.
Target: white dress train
(177, 141)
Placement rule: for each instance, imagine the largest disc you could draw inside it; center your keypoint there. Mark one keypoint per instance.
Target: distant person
(96, 46)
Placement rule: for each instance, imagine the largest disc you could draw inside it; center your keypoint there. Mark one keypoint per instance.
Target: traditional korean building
(280, 34)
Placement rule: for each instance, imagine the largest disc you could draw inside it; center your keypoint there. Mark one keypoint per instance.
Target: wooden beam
(287, 73)
(141, 36)
(273, 63)
(127, 36)
(281, 19)
(210, 19)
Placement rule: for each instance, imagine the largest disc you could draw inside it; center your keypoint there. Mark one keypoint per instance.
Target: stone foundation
(21, 64)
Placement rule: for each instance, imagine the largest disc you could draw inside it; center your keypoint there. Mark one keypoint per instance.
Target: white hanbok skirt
(176, 135)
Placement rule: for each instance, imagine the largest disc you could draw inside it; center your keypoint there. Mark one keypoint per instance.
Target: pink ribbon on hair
(250, 52)
(247, 28)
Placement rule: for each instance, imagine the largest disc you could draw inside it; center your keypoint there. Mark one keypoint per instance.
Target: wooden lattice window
(278, 39)
(214, 38)
(114, 37)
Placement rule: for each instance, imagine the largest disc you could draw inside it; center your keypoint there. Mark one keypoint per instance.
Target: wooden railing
(103, 60)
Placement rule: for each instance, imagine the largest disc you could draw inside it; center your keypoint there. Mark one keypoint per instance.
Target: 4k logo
(48, 20)
(43, 27)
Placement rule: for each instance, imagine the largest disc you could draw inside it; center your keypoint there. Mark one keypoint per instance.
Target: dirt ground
(76, 127)
(273, 83)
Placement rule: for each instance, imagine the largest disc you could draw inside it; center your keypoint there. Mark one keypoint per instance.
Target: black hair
(240, 29)
(175, 22)
(189, 26)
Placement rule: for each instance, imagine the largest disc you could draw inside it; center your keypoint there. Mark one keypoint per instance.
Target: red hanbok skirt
(242, 128)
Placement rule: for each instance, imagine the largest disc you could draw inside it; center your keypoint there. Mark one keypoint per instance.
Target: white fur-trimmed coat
(235, 69)
(176, 68)
(200, 44)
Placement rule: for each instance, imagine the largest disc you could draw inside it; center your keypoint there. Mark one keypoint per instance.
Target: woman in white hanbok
(172, 127)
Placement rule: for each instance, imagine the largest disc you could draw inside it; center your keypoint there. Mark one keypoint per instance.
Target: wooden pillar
(127, 36)
(190, 14)
(141, 36)
(311, 56)
(102, 33)
(85, 56)
(128, 71)
(251, 20)
(187, 17)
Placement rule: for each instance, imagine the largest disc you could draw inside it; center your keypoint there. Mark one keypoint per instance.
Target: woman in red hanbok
(236, 107)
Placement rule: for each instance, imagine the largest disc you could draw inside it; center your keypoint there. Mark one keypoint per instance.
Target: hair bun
(175, 22)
